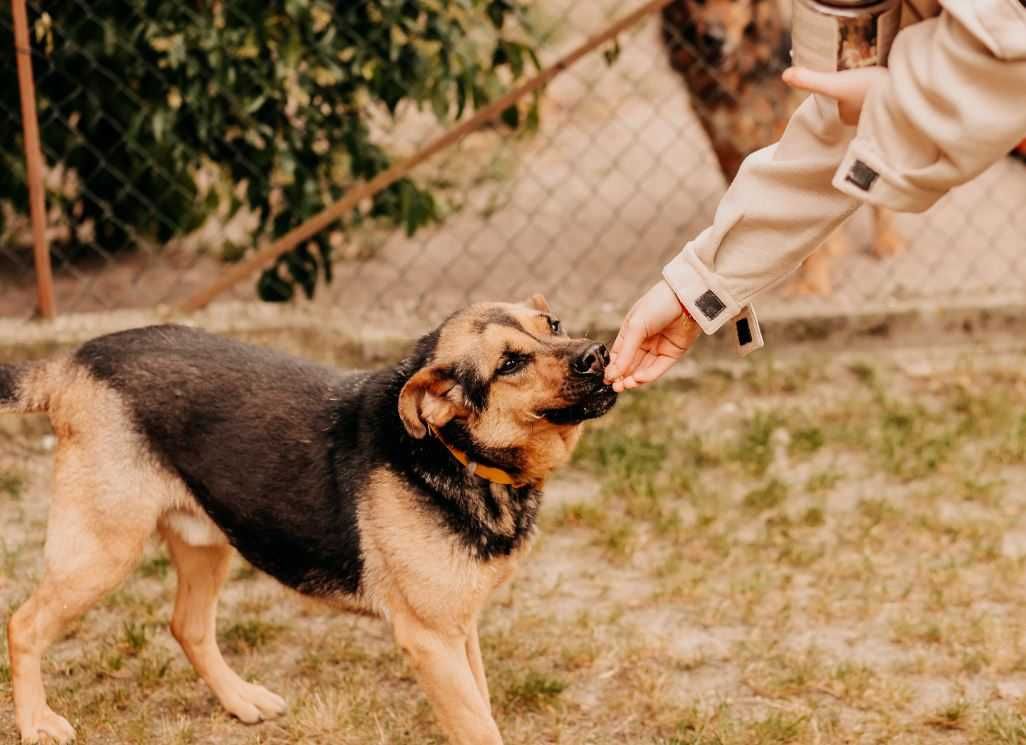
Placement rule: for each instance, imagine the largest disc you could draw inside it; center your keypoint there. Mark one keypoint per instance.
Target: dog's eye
(510, 364)
(555, 326)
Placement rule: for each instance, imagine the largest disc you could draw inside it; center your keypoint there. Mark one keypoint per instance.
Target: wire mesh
(633, 149)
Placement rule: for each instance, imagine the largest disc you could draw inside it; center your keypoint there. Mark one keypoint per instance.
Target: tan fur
(510, 419)
(727, 17)
(112, 495)
(432, 590)
(201, 572)
(815, 277)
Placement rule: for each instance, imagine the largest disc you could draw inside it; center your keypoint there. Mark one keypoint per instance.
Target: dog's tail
(23, 388)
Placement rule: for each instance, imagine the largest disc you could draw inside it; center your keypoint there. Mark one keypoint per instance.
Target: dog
(731, 54)
(409, 493)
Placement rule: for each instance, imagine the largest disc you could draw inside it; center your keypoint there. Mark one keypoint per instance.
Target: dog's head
(720, 27)
(506, 384)
(729, 34)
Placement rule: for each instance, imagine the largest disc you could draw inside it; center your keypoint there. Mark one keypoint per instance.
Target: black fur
(475, 389)
(497, 317)
(589, 408)
(444, 486)
(278, 450)
(9, 377)
(269, 445)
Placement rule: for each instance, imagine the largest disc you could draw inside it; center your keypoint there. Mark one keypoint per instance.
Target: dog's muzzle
(586, 393)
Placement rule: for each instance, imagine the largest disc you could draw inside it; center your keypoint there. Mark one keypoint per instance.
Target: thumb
(827, 83)
(625, 348)
(846, 85)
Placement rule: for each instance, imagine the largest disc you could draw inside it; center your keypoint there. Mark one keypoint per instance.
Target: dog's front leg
(440, 658)
(477, 664)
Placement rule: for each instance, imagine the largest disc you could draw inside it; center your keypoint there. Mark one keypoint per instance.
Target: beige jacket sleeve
(953, 104)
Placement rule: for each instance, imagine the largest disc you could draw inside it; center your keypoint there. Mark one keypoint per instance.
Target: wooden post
(266, 256)
(33, 160)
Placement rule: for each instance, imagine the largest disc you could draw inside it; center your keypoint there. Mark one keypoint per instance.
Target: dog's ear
(430, 398)
(538, 302)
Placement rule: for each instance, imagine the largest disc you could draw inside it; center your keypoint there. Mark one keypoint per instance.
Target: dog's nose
(713, 39)
(592, 361)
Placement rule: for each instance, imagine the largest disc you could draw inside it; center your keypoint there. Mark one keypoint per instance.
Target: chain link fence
(633, 148)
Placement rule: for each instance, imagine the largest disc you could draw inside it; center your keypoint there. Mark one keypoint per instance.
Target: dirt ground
(813, 551)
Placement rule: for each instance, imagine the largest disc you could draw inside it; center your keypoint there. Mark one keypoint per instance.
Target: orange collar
(488, 473)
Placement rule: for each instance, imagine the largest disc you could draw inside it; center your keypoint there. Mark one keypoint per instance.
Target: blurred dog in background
(731, 54)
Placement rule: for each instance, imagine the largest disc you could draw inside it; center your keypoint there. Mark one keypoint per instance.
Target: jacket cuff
(708, 302)
(864, 176)
(747, 334)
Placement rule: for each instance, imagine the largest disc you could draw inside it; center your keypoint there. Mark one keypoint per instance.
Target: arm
(952, 104)
(780, 205)
(780, 208)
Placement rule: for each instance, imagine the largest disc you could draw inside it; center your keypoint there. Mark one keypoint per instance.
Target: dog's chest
(412, 557)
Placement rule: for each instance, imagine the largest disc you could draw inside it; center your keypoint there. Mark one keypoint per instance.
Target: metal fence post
(33, 160)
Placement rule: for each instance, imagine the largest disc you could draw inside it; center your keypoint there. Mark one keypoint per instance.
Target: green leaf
(511, 117)
(271, 103)
(497, 10)
(612, 54)
(440, 104)
(273, 289)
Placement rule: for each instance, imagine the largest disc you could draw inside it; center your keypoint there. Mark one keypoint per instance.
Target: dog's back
(25, 387)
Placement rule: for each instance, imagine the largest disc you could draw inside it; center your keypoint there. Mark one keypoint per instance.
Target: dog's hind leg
(201, 572)
(887, 239)
(89, 551)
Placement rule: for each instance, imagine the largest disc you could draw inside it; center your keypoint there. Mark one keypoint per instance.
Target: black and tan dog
(410, 493)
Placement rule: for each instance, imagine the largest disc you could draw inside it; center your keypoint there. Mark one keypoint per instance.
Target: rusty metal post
(33, 160)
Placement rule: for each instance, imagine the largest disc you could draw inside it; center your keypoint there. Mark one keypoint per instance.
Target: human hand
(847, 87)
(655, 334)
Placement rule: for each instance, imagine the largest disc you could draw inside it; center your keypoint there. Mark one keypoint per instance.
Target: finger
(644, 362)
(631, 366)
(846, 85)
(828, 83)
(626, 365)
(612, 361)
(640, 376)
(617, 353)
(658, 367)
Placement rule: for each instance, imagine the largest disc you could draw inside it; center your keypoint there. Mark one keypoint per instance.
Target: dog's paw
(47, 726)
(251, 703)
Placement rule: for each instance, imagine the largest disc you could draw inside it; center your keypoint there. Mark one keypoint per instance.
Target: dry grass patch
(811, 554)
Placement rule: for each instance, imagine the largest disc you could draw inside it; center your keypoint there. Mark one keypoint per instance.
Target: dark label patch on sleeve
(862, 175)
(744, 332)
(710, 304)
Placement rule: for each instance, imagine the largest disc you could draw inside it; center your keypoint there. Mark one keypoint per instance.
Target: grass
(249, 635)
(765, 555)
(532, 692)
(12, 483)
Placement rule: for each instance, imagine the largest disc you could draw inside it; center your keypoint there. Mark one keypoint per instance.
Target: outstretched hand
(655, 334)
(847, 87)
